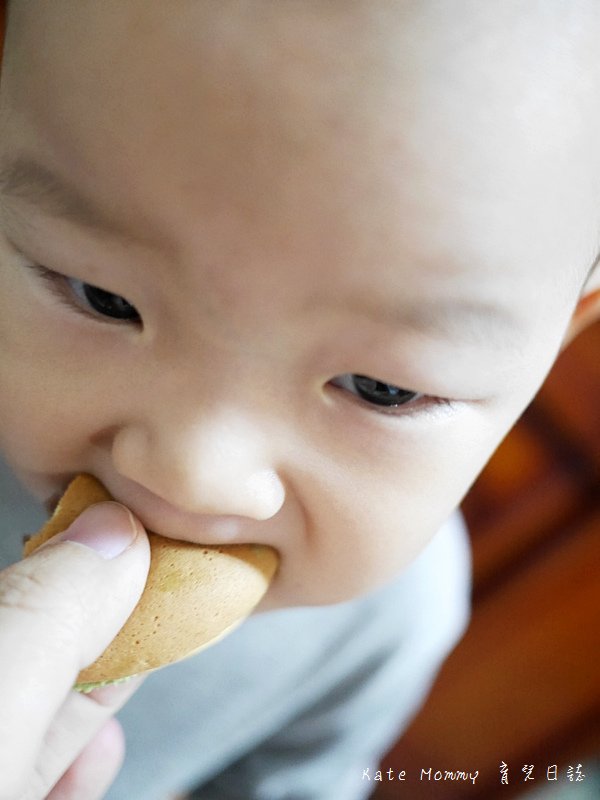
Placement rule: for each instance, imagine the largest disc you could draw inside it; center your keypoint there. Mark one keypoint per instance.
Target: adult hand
(59, 609)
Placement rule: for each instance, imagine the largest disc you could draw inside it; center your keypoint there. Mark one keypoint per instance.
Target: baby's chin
(316, 592)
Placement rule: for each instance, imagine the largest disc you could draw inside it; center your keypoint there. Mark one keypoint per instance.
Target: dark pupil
(382, 394)
(109, 305)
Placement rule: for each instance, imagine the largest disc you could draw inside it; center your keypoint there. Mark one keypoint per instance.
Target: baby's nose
(221, 466)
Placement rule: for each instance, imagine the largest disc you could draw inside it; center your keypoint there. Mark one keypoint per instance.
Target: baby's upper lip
(199, 529)
(158, 516)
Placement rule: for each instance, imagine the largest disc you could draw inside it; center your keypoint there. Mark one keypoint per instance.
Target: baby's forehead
(450, 125)
(346, 52)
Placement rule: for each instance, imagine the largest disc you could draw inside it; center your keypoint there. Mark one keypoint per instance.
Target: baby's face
(305, 268)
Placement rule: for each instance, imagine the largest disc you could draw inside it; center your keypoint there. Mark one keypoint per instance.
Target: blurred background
(523, 687)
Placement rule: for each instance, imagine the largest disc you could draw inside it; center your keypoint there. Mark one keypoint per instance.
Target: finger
(74, 726)
(59, 609)
(95, 768)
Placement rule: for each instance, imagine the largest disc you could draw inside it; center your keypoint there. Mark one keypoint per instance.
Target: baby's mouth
(155, 515)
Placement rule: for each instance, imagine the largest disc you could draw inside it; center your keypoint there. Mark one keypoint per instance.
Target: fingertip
(109, 743)
(109, 528)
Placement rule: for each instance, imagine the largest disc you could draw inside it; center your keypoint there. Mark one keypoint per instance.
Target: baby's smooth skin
(278, 197)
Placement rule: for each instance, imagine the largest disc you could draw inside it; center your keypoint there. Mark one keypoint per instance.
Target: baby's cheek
(355, 556)
(40, 430)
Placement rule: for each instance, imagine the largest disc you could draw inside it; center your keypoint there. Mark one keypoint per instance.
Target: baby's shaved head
(439, 77)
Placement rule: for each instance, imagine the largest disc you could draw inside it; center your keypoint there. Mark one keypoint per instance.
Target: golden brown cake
(194, 595)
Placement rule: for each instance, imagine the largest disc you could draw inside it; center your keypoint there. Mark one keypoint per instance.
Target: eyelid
(57, 285)
(422, 405)
(55, 282)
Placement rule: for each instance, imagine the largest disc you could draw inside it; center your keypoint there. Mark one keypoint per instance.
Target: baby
(288, 272)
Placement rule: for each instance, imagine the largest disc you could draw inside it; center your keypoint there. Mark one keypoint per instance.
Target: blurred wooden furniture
(523, 687)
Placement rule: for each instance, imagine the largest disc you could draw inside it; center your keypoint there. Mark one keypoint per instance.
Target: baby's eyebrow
(24, 178)
(460, 319)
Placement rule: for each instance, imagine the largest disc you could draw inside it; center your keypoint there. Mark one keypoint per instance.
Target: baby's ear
(587, 310)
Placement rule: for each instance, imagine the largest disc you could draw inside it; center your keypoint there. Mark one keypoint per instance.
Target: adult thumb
(62, 605)
(97, 569)
(59, 609)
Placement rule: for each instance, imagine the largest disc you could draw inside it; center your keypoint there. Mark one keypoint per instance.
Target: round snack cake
(194, 595)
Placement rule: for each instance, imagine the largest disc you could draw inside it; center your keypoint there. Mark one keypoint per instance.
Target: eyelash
(58, 285)
(422, 405)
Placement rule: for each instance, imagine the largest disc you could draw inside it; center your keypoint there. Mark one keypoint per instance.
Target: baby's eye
(87, 299)
(104, 303)
(376, 392)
